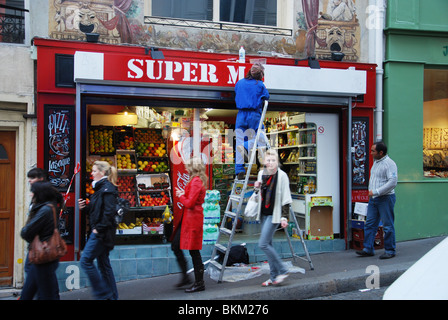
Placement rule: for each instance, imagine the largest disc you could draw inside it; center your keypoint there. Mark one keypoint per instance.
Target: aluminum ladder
(238, 197)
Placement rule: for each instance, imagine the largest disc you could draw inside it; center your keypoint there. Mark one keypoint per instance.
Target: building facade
(415, 119)
(281, 33)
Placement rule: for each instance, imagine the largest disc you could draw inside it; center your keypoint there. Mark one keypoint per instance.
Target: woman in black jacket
(41, 278)
(101, 210)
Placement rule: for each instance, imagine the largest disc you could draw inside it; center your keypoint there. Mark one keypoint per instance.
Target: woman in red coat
(187, 233)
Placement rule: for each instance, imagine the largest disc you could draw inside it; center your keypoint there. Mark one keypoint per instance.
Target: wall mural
(320, 27)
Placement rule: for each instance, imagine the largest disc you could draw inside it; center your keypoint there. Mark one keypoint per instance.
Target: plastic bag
(252, 205)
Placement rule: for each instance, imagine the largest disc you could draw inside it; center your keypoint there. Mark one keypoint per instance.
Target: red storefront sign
(180, 72)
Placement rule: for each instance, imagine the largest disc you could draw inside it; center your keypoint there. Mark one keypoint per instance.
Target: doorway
(7, 205)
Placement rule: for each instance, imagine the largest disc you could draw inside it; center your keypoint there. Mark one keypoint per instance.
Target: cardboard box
(321, 223)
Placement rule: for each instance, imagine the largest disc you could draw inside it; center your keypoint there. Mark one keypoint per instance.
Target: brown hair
(256, 72)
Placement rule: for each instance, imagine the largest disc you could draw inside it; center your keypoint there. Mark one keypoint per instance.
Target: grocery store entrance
(138, 137)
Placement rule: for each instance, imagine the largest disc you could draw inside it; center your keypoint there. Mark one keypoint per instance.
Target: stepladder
(235, 208)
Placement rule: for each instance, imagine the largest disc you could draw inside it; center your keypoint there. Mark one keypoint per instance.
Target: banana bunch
(123, 225)
(139, 221)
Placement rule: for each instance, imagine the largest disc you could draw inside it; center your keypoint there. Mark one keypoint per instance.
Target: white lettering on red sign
(166, 70)
(190, 72)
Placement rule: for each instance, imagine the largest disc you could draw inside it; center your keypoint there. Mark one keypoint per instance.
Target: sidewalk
(333, 273)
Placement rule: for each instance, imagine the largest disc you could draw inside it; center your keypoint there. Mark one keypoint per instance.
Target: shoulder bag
(47, 251)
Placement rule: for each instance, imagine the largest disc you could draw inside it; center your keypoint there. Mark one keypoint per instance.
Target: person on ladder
(250, 94)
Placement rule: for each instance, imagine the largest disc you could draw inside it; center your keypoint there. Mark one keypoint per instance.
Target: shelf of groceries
(297, 148)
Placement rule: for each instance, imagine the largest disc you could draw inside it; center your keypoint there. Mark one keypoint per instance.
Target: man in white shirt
(383, 179)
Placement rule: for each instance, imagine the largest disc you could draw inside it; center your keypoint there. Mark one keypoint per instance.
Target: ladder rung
(230, 214)
(225, 231)
(220, 247)
(235, 197)
(216, 264)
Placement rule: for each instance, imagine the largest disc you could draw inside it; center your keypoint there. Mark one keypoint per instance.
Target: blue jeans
(103, 282)
(41, 281)
(268, 229)
(380, 208)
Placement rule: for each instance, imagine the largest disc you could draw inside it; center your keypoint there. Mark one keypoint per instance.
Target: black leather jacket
(102, 209)
(40, 222)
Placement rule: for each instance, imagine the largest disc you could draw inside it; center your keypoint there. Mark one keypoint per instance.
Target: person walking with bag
(101, 211)
(188, 226)
(41, 278)
(273, 185)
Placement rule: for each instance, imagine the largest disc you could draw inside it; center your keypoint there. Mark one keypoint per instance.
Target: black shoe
(197, 286)
(241, 176)
(363, 253)
(184, 281)
(386, 256)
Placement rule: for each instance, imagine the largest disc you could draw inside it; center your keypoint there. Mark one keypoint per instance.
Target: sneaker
(267, 283)
(280, 278)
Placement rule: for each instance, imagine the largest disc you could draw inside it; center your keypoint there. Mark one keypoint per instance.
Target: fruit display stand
(101, 140)
(153, 195)
(126, 161)
(124, 138)
(151, 151)
(126, 189)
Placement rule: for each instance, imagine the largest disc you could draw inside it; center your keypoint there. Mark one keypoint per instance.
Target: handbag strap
(54, 214)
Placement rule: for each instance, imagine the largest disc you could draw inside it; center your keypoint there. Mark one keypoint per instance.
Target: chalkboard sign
(360, 156)
(59, 145)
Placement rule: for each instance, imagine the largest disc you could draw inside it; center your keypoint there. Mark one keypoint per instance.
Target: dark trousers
(195, 254)
(40, 281)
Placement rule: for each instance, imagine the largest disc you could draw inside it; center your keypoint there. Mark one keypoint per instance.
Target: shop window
(12, 21)
(3, 153)
(64, 68)
(435, 123)
(262, 12)
(257, 12)
(183, 9)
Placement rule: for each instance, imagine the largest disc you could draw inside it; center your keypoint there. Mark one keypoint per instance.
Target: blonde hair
(273, 153)
(108, 170)
(196, 167)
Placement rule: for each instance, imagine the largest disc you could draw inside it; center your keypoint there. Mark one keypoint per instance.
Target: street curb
(330, 284)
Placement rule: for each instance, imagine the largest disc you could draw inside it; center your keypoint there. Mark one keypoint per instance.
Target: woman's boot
(199, 281)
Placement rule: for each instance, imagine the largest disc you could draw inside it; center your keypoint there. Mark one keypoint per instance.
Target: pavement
(334, 273)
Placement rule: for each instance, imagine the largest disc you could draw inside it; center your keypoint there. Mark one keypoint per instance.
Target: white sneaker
(267, 283)
(280, 278)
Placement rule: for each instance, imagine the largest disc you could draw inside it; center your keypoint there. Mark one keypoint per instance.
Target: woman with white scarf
(273, 185)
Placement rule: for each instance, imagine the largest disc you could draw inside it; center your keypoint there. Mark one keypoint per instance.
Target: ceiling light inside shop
(126, 111)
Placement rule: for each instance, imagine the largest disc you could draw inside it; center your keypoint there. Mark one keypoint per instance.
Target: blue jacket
(250, 93)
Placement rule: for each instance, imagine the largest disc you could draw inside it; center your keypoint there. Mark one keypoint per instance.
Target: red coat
(192, 216)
